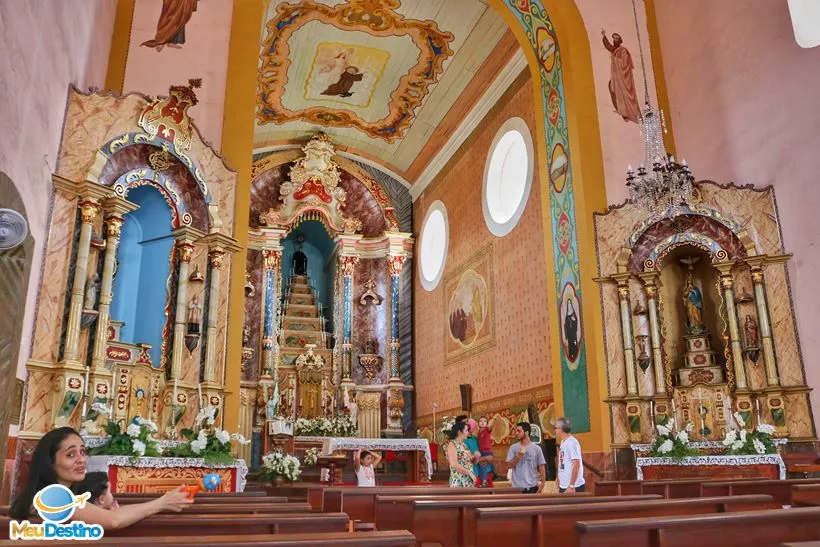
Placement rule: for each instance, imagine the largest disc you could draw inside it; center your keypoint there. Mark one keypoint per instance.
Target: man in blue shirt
(529, 468)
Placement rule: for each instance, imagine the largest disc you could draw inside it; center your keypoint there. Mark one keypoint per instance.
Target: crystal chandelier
(661, 185)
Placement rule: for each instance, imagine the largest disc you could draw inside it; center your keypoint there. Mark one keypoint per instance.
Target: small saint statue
(273, 402)
(351, 406)
(299, 258)
(91, 286)
(693, 301)
(194, 315)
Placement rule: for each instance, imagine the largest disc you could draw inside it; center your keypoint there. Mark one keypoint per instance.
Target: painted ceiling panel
(376, 75)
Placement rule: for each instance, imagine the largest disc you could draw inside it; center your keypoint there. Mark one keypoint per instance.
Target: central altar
(766, 466)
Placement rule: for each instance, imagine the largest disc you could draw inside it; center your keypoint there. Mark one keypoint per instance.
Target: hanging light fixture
(660, 185)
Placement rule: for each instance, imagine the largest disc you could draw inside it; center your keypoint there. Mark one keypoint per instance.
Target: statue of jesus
(693, 301)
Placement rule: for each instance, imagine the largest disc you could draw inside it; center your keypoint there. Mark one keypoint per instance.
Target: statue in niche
(273, 401)
(351, 406)
(571, 330)
(91, 286)
(299, 258)
(693, 301)
(751, 334)
(246, 335)
(194, 315)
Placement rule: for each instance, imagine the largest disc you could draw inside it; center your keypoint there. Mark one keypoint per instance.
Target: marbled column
(651, 290)
(272, 258)
(347, 264)
(395, 264)
(89, 208)
(762, 306)
(185, 248)
(727, 284)
(215, 257)
(626, 329)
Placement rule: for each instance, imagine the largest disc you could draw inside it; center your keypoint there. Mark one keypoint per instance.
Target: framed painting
(469, 317)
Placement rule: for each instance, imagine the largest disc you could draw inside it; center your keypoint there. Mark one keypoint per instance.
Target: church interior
(350, 221)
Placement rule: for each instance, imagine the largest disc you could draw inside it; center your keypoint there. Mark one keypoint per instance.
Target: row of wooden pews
(647, 513)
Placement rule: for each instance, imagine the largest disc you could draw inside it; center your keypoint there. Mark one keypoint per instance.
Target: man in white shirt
(570, 465)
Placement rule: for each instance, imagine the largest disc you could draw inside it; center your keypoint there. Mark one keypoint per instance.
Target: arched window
(433, 244)
(507, 177)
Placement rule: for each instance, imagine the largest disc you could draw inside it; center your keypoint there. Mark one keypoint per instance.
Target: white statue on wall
(91, 286)
(351, 406)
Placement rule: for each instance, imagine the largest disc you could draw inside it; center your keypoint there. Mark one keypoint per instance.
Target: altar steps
(301, 322)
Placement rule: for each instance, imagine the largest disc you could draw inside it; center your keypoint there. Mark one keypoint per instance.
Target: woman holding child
(60, 458)
(460, 457)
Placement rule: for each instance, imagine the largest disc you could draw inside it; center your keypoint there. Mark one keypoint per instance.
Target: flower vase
(278, 481)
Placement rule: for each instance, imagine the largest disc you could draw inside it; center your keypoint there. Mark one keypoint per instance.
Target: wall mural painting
(541, 33)
(621, 80)
(344, 75)
(469, 315)
(345, 71)
(174, 16)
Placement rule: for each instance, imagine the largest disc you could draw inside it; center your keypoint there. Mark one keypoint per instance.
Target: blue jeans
(485, 469)
(582, 488)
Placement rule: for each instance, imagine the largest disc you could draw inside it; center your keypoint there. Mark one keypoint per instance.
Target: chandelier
(661, 186)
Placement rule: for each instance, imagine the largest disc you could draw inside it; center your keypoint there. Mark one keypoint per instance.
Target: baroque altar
(698, 320)
(132, 316)
(323, 297)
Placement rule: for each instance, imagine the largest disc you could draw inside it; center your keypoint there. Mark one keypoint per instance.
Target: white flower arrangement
(340, 426)
(208, 442)
(745, 442)
(311, 457)
(278, 464)
(673, 444)
(137, 440)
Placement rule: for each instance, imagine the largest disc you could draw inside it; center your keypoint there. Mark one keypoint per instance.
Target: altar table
(767, 466)
(419, 446)
(162, 474)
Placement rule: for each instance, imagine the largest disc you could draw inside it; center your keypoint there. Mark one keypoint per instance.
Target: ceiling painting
(348, 84)
(378, 76)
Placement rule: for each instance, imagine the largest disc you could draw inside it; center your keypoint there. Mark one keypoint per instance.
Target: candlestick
(757, 408)
(199, 391)
(674, 415)
(652, 414)
(85, 395)
(175, 391)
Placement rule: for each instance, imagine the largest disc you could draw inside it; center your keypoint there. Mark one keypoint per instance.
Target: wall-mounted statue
(194, 315)
(91, 287)
(351, 405)
(693, 300)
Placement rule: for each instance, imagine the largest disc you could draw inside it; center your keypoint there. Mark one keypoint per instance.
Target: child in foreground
(364, 464)
(485, 448)
(96, 483)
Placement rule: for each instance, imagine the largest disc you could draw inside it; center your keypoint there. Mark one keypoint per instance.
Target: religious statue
(273, 401)
(351, 406)
(621, 81)
(752, 336)
(693, 301)
(299, 258)
(643, 355)
(246, 335)
(194, 315)
(91, 286)
(571, 330)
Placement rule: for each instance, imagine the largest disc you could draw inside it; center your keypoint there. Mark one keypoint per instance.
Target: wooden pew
(202, 499)
(311, 492)
(392, 538)
(758, 528)
(253, 494)
(781, 491)
(235, 524)
(806, 495)
(360, 503)
(802, 544)
(200, 507)
(450, 521)
(669, 489)
(555, 525)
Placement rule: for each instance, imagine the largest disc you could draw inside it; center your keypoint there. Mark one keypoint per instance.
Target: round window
(433, 245)
(507, 177)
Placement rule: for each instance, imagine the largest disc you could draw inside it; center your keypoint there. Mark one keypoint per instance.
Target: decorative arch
(531, 21)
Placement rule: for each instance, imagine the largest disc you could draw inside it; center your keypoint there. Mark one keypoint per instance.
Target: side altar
(149, 475)
(699, 327)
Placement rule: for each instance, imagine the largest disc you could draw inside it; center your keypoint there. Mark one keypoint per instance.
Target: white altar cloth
(332, 444)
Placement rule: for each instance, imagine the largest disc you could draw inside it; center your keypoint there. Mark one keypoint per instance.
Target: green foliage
(136, 441)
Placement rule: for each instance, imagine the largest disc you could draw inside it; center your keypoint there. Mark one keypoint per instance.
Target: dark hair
(95, 483)
(525, 426)
(461, 418)
(41, 470)
(457, 428)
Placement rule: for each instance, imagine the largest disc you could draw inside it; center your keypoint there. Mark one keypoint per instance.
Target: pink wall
(46, 46)
(203, 55)
(621, 141)
(746, 109)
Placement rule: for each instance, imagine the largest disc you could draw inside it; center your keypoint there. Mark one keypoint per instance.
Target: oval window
(433, 243)
(507, 177)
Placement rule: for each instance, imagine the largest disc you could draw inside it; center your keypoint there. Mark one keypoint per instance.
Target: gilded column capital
(727, 282)
(348, 264)
(395, 264)
(623, 292)
(651, 291)
(216, 256)
(114, 225)
(757, 276)
(89, 209)
(186, 249)
(272, 258)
